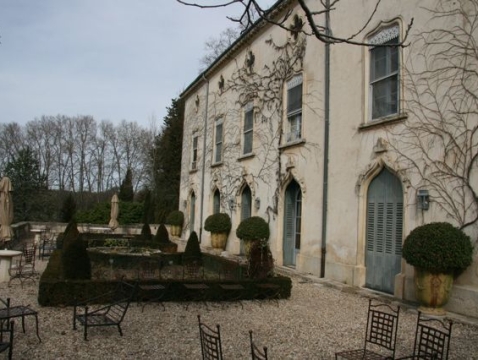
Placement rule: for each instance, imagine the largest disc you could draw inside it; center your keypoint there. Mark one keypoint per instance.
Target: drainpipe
(203, 171)
(325, 189)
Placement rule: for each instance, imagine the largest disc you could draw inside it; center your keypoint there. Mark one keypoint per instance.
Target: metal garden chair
(381, 334)
(432, 339)
(6, 337)
(210, 341)
(256, 352)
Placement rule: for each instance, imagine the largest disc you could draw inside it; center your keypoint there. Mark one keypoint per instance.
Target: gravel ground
(316, 321)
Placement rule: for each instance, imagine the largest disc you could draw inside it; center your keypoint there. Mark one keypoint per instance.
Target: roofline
(258, 24)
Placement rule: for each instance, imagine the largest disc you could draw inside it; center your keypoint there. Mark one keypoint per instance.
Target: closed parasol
(114, 212)
(6, 209)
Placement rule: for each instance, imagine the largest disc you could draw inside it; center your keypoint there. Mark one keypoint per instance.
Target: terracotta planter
(176, 230)
(432, 291)
(219, 240)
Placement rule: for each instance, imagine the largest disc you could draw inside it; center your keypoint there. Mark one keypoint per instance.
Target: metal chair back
(211, 347)
(432, 338)
(256, 352)
(381, 333)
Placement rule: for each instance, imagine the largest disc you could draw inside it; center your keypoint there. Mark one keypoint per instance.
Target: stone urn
(432, 291)
(176, 230)
(219, 240)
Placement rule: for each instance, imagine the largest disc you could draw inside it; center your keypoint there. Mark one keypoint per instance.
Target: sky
(111, 59)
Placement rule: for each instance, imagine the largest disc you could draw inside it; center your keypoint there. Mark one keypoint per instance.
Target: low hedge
(54, 291)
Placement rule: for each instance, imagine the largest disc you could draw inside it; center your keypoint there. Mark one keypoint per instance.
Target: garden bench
(108, 315)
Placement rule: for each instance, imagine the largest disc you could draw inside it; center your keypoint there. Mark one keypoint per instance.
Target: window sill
(216, 164)
(392, 119)
(245, 156)
(291, 144)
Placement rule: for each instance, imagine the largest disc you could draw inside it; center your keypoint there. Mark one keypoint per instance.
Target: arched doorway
(384, 230)
(246, 210)
(292, 223)
(192, 211)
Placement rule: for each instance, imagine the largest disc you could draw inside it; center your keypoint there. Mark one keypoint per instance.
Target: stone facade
(254, 144)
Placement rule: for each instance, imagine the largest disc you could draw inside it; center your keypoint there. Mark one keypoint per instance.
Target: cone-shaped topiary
(74, 257)
(146, 232)
(161, 240)
(162, 235)
(70, 229)
(438, 248)
(253, 228)
(192, 252)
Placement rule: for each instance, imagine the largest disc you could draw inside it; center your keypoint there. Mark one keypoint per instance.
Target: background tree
(68, 209)
(29, 185)
(126, 192)
(166, 156)
(215, 46)
(439, 141)
(315, 13)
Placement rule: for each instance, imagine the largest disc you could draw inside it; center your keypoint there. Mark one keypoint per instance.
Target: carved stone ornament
(250, 60)
(380, 146)
(385, 35)
(296, 26)
(197, 102)
(221, 83)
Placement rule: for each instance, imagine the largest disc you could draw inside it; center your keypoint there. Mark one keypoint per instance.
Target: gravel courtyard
(316, 321)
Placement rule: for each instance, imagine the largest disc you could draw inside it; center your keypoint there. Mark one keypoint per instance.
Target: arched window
(246, 203)
(216, 206)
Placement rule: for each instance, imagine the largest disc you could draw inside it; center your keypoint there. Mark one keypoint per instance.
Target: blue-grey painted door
(192, 212)
(246, 210)
(292, 223)
(384, 232)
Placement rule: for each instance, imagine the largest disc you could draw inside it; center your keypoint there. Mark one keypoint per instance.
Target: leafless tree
(315, 13)
(215, 46)
(439, 141)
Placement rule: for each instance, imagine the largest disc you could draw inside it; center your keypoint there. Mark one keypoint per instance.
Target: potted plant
(439, 252)
(219, 225)
(175, 220)
(253, 229)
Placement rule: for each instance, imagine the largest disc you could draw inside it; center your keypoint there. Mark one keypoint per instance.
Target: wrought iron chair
(432, 339)
(381, 334)
(111, 314)
(6, 337)
(48, 245)
(256, 353)
(24, 268)
(8, 312)
(193, 270)
(210, 341)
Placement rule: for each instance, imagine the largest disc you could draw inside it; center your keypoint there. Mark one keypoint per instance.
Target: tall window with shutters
(385, 73)
(294, 109)
(248, 131)
(195, 152)
(218, 141)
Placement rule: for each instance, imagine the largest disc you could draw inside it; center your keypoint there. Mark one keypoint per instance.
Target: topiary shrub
(162, 235)
(438, 248)
(260, 261)
(72, 231)
(74, 257)
(253, 228)
(176, 218)
(218, 223)
(161, 240)
(146, 232)
(192, 252)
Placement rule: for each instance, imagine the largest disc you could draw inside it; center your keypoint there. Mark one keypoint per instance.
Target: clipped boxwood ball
(438, 248)
(218, 223)
(253, 228)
